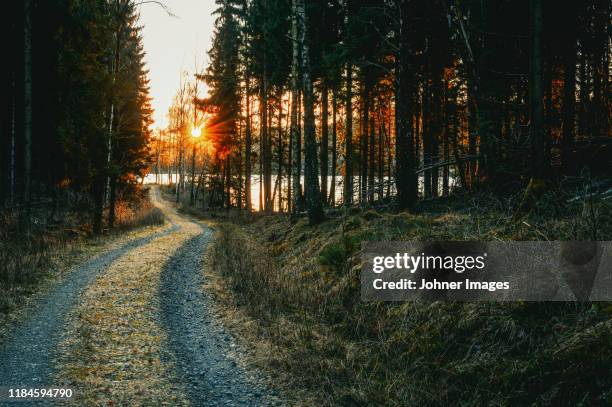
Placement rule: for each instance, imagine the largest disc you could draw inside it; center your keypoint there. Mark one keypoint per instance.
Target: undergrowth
(29, 257)
(299, 285)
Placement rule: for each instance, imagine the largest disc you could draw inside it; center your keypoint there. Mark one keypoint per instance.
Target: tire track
(27, 357)
(200, 344)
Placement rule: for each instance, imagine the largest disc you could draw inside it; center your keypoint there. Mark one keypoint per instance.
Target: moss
(338, 350)
(353, 222)
(371, 215)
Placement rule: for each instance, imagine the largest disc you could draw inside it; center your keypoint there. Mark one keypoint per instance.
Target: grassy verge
(292, 292)
(30, 261)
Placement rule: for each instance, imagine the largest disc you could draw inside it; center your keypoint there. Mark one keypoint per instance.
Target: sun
(196, 132)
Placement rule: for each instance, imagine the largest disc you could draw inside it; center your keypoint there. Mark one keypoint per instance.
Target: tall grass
(25, 258)
(300, 286)
(30, 257)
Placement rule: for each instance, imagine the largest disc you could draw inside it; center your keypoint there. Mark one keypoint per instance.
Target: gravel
(200, 345)
(205, 354)
(27, 356)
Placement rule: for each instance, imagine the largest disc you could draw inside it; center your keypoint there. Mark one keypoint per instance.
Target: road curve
(199, 342)
(26, 357)
(204, 353)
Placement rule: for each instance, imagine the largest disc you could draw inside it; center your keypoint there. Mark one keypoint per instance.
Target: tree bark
(27, 107)
(295, 136)
(265, 140)
(192, 184)
(12, 147)
(569, 95)
(334, 163)
(405, 177)
(381, 157)
(365, 127)
(372, 165)
(314, 203)
(279, 180)
(348, 138)
(324, 139)
(112, 201)
(537, 107)
(248, 148)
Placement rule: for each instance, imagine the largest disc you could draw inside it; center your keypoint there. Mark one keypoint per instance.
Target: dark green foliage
(87, 66)
(222, 76)
(335, 255)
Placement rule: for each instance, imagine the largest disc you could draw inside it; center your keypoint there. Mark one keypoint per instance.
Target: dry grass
(137, 213)
(30, 260)
(293, 291)
(113, 351)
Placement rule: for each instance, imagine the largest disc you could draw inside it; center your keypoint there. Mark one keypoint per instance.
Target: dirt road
(134, 325)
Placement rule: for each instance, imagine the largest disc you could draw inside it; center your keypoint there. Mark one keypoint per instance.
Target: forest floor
(291, 292)
(133, 325)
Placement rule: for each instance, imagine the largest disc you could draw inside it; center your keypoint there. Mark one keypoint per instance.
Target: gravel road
(200, 344)
(27, 356)
(205, 354)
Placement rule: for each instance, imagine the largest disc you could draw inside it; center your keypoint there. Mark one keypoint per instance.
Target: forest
(215, 257)
(75, 110)
(332, 103)
(321, 104)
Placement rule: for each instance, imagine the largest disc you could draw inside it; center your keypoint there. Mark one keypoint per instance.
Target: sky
(174, 45)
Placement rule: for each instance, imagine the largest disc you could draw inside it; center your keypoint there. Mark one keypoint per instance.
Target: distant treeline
(74, 107)
(501, 91)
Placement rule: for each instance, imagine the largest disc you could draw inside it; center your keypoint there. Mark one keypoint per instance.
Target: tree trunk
(289, 162)
(334, 163)
(488, 90)
(192, 184)
(12, 148)
(264, 137)
(381, 157)
(314, 204)
(239, 155)
(435, 129)
(279, 179)
(324, 140)
(427, 136)
(179, 175)
(27, 107)
(537, 108)
(109, 141)
(372, 165)
(405, 178)
(472, 128)
(295, 136)
(365, 127)
(248, 147)
(228, 182)
(98, 198)
(112, 202)
(569, 94)
(348, 138)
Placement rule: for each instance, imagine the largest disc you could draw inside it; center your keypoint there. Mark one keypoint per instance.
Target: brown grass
(30, 259)
(291, 292)
(114, 333)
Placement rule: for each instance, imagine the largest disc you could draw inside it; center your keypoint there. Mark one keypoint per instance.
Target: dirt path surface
(132, 325)
(26, 358)
(201, 345)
